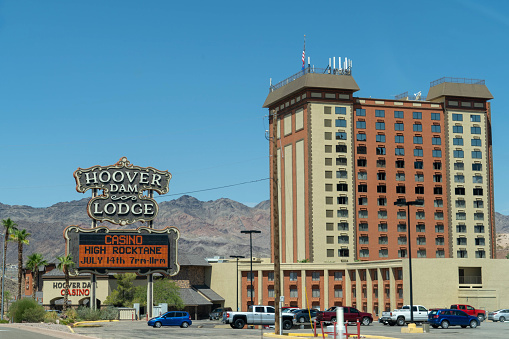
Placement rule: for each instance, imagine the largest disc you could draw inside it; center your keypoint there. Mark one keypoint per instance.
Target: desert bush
(26, 309)
(70, 315)
(50, 317)
(109, 313)
(88, 314)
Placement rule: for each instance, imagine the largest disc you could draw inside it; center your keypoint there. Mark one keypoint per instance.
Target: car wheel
(480, 317)
(232, 325)
(400, 321)
(185, 324)
(302, 319)
(287, 325)
(157, 324)
(473, 324)
(502, 319)
(444, 324)
(333, 319)
(434, 326)
(365, 321)
(239, 323)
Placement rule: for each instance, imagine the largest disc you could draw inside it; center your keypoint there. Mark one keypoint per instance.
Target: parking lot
(213, 329)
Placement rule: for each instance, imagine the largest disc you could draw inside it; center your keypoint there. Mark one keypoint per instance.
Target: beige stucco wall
(53, 289)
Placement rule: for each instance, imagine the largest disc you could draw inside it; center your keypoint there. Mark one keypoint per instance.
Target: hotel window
(380, 113)
(342, 200)
(436, 141)
(461, 228)
(363, 227)
(342, 226)
(343, 253)
(478, 191)
(400, 176)
(382, 227)
(400, 189)
(316, 293)
(459, 178)
(338, 276)
(341, 123)
(421, 253)
(380, 138)
(361, 137)
(440, 254)
(381, 189)
(360, 124)
(457, 129)
(461, 241)
(381, 176)
(417, 115)
(340, 110)
(437, 178)
(458, 154)
(294, 293)
(399, 139)
(362, 162)
(343, 239)
(418, 152)
(343, 213)
(338, 293)
(342, 174)
(250, 292)
(402, 240)
(400, 164)
(417, 128)
(462, 254)
(479, 241)
(382, 214)
(476, 142)
(457, 141)
(457, 117)
(479, 216)
(270, 276)
(361, 150)
(315, 276)
(461, 216)
(364, 253)
(419, 215)
(478, 229)
(459, 190)
(340, 161)
(250, 276)
(459, 166)
(293, 276)
(382, 201)
(380, 163)
(419, 190)
(363, 201)
(475, 130)
(418, 165)
(362, 175)
(398, 126)
(341, 148)
(435, 129)
(363, 214)
(435, 116)
(475, 118)
(437, 165)
(478, 204)
(400, 151)
(361, 112)
(402, 253)
(421, 241)
(477, 179)
(436, 153)
(476, 167)
(364, 239)
(362, 188)
(476, 155)
(439, 215)
(380, 151)
(401, 227)
(383, 253)
(398, 115)
(380, 125)
(417, 140)
(480, 254)
(439, 203)
(401, 215)
(340, 135)
(437, 190)
(271, 292)
(342, 187)
(439, 228)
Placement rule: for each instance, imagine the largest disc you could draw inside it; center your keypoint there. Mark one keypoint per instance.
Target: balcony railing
(457, 81)
(471, 279)
(308, 70)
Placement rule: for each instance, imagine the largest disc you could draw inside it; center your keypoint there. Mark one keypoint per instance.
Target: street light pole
(237, 257)
(3, 277)
(401, 203)
(250, 232)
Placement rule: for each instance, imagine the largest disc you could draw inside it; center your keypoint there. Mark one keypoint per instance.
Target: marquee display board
(122, 201)
(144, 250)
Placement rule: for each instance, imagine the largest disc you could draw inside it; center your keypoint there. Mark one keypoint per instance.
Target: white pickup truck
(402, 316)
(256, 315)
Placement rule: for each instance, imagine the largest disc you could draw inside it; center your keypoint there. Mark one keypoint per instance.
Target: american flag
(304, 54)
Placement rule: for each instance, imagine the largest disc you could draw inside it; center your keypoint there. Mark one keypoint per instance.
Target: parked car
(172, 318)
(499, 315)
(480, 314)
(448, 317)
(350, 314)
(302, 315)
(217, 313)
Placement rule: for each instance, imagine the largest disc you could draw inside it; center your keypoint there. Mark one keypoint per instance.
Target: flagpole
(304, 54)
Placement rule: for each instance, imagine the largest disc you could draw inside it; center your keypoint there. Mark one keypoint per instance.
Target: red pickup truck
(480, 314)
(351, 315)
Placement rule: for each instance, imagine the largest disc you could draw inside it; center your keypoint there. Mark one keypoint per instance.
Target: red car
(351, 315)
(480, 314)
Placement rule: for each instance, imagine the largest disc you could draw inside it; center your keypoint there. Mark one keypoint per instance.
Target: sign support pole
(93, 278)
(150, 278)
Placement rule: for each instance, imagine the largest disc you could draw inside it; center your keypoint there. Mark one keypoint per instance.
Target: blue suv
(446, 318)
(172, 318)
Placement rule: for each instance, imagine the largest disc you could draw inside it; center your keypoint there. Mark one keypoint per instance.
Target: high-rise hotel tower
(343, 162)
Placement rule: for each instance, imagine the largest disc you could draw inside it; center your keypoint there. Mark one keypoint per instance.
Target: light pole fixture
(401, 203)
(250, 232)
(237, 257)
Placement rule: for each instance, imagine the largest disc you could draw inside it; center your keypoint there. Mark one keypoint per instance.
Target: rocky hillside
(207, 228)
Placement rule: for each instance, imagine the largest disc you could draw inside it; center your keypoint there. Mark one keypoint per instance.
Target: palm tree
(9, 226)
(34, 261)
(65, 264)
(21, 237)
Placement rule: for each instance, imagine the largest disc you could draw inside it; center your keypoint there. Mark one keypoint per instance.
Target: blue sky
(179, 85)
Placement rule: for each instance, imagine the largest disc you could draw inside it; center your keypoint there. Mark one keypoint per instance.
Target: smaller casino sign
(144, 250)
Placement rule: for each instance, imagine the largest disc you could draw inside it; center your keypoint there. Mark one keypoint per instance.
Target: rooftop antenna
(418, 95)
(304, 53)
(339, 63)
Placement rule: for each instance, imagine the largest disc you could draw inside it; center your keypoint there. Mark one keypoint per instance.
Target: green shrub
(109, 313)
(34, 315)
(87, 314)
(5, 321)
(50, 317)
(70, 315)
(22, 310)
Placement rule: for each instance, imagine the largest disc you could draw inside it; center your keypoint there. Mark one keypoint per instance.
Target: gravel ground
(49, 326)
